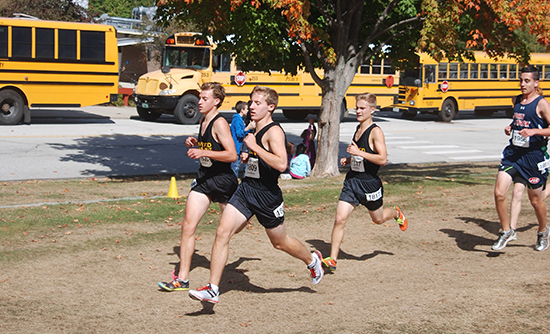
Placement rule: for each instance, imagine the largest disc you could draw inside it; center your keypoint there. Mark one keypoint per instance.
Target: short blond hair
(217, 91)
(271, 96)
(368, 97)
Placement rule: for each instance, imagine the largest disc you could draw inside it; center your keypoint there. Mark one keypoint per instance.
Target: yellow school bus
(189, 60)
(45, 64)
(444, 88)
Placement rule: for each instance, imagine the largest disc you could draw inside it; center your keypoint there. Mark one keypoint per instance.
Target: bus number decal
(205, 74)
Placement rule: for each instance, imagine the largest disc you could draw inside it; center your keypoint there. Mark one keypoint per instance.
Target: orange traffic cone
(173, 190)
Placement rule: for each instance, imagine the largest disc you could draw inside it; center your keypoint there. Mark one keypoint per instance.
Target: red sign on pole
(444, 86)
(240, 78)
(389, 81)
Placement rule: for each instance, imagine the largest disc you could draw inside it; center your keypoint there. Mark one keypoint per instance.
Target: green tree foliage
(338, 36)
(58, 10)
(117, 8)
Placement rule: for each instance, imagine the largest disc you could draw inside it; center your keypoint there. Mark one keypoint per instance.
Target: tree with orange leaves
(338, 36)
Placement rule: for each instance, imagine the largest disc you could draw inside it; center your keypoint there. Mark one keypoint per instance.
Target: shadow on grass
(469, 242)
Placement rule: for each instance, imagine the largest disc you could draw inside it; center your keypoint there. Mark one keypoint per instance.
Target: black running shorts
(267, 205)
(366, 192)
(219, 188)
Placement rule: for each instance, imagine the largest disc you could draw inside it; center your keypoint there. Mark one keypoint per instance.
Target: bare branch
(369, 39)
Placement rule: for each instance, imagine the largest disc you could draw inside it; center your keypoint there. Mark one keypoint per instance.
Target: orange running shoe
(330, 263)
(401, 220)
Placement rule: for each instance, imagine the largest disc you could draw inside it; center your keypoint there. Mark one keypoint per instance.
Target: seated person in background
(300, 166)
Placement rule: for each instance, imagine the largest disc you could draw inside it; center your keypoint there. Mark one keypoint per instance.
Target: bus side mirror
(165, 70)
(418, 83)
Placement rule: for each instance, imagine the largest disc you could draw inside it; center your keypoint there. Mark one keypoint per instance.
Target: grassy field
(93, 251)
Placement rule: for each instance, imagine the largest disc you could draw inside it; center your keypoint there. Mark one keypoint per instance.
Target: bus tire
(147, 114)
(11, 107)
(448, 111)
(295, 115)
(187, 110)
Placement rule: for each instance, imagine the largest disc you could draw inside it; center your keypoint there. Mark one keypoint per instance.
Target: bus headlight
(411, 102)
(167, 92)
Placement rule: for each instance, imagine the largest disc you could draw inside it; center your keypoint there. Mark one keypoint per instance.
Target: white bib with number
(205, 162)
(519, 140)
(357, 164)
(374, 196)
(279, 211)
(252, 168)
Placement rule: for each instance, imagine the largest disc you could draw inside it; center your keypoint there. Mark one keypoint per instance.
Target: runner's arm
(222, 133)
(274, 140)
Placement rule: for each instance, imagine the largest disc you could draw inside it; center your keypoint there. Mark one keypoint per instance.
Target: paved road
(113, 141)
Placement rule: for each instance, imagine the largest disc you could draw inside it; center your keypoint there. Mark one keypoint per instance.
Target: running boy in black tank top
(215, 180)
(260, 195)
(362, 184)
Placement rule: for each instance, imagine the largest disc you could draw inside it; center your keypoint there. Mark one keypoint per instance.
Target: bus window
(387, 67)
(474, 71)
(195, 58)
(21, 42)
(364, 69)
(429, 73)
(494, 71)
(503, 71)
(546, 71)
(453, 71)
(221, 62)
(442, 74)
(463, 71)
(513, 74)
(483, 71)
(92, 45)
(44, 43)
(4, 41)
(377, 66)
(67, 44)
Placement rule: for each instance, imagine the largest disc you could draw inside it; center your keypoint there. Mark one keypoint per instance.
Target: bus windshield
(411, 77)
(187, 57)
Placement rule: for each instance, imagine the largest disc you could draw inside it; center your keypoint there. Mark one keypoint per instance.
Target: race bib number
(357, 164)
(194, 183)
(205, 162)
(252, 168)
(374, 196)
(519, 140)
(279, 211)
(543, 166)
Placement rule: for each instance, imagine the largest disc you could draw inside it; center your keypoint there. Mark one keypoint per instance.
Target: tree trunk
(328, 141)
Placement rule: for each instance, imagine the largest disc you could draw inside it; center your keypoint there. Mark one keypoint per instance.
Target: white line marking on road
(428, 146)
(478, 157)
(453, 152)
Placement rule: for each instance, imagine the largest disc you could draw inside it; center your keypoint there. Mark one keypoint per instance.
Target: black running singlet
(258, 173)
(362, 168)
(210, 167)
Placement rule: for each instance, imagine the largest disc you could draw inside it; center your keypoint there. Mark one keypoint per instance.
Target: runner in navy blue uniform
(258, 194)
(215, 180)
(525, 158)
(362, 184)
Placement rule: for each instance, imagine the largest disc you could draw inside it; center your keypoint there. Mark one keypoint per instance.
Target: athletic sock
(312, 264)
(214, 287)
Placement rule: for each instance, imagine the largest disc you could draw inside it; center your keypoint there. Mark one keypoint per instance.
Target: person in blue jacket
(239, 131)
(300, 166)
